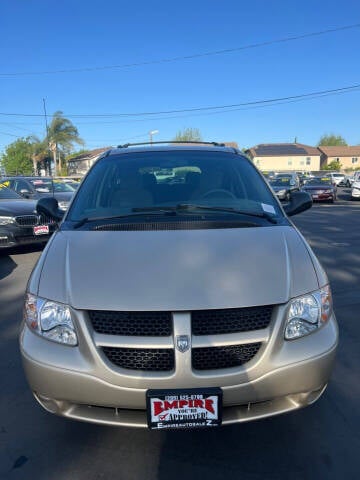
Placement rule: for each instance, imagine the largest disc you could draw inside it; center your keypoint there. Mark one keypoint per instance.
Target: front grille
(45, 220)
(33, 220)
(232, 320)
(151, 324)
(213, 358)
(27, 220)
(155, 359)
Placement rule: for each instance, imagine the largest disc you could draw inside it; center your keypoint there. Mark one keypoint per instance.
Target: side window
(22, 185)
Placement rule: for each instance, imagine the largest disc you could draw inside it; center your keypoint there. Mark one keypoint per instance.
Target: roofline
(160, 148)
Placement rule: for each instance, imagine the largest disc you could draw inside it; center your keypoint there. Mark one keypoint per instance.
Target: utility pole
(47, 135)
(151, 133)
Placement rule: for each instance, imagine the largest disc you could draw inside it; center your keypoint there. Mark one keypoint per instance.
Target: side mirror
(49, 206)
(299, 202)
(25, 193)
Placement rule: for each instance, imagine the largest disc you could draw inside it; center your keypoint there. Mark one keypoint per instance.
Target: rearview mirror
(299, 202)
(49, 206)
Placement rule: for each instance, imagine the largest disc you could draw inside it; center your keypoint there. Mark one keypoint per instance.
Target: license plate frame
(199, 408)
(41, 230)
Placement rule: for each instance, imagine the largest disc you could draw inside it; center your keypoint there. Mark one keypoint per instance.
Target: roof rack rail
(215, 144)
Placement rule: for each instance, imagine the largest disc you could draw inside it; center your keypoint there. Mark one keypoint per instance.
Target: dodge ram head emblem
(182, 343)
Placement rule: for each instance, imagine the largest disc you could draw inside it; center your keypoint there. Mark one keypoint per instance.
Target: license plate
(184, 409)
(41, 230)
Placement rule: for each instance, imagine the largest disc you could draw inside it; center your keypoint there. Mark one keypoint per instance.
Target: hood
(15, 207)
(176, 270)
(318, 187)
(278, 188)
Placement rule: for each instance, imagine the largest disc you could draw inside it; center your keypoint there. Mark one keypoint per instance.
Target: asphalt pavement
(319, 442)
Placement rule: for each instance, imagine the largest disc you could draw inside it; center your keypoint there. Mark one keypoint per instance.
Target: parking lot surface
(321, 441)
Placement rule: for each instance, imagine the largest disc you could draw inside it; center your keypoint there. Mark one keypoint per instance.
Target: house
(285, 156)
(349, 157)
(80, 164)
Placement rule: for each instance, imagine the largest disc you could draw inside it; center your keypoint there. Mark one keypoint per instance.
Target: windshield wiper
(190, 206)
(174, 210)
(136, 213)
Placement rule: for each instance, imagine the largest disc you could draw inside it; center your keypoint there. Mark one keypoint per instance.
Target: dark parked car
(283, 186)
(39, 187)
(321, 189)
(19, 222)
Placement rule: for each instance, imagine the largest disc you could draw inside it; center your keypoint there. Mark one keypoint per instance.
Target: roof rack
(215, 144)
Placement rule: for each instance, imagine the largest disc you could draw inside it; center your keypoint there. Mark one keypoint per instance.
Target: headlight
(50, 320)
(328, 191)
(281, 192)
(63, 205)
(307, 313)
(6, 220)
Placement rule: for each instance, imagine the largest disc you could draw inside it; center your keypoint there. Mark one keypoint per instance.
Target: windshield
(60, 186)
(7, 193)
(280, 182)
(42, 185)
(47, 185)
(319, 181)
(117, 184)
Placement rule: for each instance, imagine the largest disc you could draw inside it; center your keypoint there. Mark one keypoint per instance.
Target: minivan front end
(173, 313)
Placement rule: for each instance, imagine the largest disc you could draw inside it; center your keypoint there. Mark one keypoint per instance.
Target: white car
(355, 190)
(337, 178)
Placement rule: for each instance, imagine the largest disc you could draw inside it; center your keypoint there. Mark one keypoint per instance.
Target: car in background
(35, 188)
(355, 190)
(20, 223)
(283, 186)
(269, 175)
(337, 178)
(321, 189)
(292, 175)
(350, 179)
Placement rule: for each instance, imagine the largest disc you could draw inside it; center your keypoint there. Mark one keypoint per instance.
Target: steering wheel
(220, 191)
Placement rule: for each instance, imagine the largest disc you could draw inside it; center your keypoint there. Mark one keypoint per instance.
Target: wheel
(218, 190)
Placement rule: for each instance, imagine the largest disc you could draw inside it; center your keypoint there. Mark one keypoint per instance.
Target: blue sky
(43, 35)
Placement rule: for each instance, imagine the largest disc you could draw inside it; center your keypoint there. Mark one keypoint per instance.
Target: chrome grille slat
(33, 220)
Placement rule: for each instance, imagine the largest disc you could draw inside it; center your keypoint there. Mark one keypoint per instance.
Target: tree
(332, 140)
(334, 165)
(62, 134)
(188, 134)
(39, 153)
(17, 158)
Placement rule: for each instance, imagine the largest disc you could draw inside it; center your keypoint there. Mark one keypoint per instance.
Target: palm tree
(61, 136)
(39, 152)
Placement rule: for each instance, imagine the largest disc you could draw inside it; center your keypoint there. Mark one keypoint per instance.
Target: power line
(254, 103)
(9, 134)
(185, 57)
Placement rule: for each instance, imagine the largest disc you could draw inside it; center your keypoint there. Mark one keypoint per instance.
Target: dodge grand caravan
(187, 302)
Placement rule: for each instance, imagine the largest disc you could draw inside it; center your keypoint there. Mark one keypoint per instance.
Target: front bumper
(77, 383)
(355, 193)
(323, 197)
(13, 236)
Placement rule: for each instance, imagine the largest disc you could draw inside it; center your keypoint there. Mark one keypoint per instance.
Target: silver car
(187, 302)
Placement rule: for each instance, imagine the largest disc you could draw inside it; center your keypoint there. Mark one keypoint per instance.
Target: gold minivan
(182, 303)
